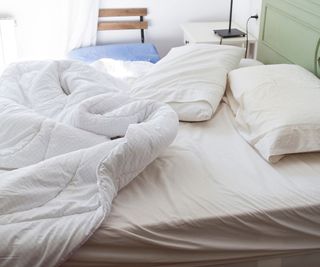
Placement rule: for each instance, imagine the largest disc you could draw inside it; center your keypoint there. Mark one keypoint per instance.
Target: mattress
(208, 200)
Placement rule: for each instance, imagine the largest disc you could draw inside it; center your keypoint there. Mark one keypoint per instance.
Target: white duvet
(61, 161)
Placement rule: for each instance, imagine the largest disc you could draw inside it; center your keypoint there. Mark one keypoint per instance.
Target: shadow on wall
(163, 44)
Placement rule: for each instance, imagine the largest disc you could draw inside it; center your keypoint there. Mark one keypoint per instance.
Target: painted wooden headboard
(290, 33)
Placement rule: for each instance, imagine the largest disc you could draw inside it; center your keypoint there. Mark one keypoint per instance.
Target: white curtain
(83, 20)
(50, 28)
(8, 45)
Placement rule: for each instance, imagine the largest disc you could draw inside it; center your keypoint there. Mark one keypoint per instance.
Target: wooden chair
(124, 51)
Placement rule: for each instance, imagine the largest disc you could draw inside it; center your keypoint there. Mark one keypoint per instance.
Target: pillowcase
(249, 62)
(277, 109)
(190, 78)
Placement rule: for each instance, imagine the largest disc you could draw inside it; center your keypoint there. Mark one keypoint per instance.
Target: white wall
(165, 17)
(40, 21)
(243, 9)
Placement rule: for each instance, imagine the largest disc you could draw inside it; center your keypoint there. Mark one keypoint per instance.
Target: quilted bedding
(61, 159)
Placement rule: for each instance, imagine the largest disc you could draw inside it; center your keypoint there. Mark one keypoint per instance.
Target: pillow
(190, 78)
(277, 109)
(249, 62)
(192, 112)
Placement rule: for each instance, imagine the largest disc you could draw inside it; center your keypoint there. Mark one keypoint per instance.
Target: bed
(210, 199)
(122, 51)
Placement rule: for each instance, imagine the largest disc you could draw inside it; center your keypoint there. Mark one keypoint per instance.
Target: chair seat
(126, 52)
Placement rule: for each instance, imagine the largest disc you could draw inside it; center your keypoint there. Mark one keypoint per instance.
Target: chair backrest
(123, 25)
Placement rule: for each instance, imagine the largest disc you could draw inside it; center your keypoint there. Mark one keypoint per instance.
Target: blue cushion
(127, 52)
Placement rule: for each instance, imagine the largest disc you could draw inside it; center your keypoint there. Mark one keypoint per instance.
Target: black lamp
(229, 33)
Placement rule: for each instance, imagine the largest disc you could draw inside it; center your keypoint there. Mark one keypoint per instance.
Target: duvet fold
(70, 139)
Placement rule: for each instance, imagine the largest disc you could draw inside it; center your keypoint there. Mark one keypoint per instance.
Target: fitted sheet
(210, 199)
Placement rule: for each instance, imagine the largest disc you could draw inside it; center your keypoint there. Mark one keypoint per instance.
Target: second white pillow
(277, 109)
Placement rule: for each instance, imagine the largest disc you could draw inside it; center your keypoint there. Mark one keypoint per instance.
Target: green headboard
(290, 33)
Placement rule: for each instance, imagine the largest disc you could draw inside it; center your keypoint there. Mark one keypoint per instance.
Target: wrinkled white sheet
(210, 199)
(60, 167)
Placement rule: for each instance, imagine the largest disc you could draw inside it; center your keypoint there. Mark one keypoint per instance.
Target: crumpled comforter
(70, 139)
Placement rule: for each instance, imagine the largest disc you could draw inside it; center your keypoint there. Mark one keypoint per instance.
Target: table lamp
(229, 33)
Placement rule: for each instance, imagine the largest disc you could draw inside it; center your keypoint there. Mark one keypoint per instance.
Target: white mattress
(210, 199)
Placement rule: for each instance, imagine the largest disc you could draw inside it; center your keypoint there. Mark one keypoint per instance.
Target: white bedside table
(202, 32)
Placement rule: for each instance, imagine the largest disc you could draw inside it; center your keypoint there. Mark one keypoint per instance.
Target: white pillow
(277, 109)
(195, 111)
(249, 62)
(191, 78)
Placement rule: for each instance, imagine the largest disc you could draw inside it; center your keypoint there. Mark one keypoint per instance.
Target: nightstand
(202, 33)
